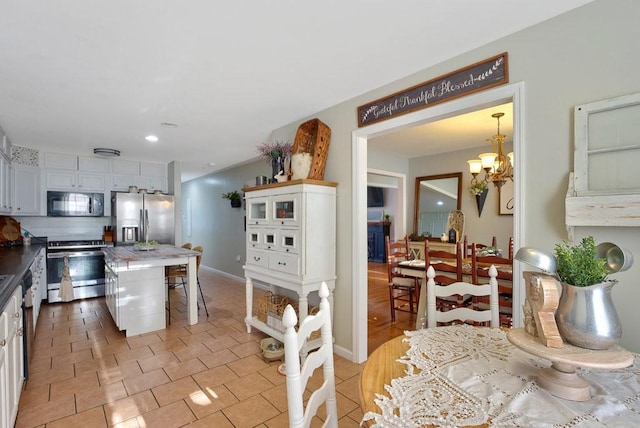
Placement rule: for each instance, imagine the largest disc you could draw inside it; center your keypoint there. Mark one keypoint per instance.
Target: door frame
(514, 93)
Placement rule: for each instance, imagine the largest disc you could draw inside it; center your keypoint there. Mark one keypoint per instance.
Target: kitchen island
(135, 288)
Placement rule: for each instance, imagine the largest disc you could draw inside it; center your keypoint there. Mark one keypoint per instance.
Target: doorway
(510, 93)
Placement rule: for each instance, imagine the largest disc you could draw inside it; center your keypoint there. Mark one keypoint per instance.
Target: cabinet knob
(3, 342)
(17, 315)
(257, 259)
(282, 263)
(20, 331)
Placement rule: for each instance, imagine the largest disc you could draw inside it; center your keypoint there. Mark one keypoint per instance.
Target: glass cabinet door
(285, 209)
(257, 211)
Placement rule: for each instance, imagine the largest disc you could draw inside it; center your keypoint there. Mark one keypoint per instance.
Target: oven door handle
(62, 254)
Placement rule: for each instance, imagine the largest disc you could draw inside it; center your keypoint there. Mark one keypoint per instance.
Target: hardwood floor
(380, 327)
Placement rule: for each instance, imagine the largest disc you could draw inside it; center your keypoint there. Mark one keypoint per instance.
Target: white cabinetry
(26, 190)
(11, 358)
(5, 184)
(81, 181)
(6, 176)
(291, 243)
(135, 297)
(70, 172)
(60, 161)
(144, 175)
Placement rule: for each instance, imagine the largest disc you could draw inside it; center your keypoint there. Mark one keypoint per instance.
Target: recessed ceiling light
(169, 125)
(106, 152)
(151, 138)
(212, 163)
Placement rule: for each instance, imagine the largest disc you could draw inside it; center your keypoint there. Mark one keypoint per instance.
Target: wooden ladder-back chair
(173, 273)
(402, 289)
(199, 249)
(504, 276)
(448, 269)
(297, 378)
(490, 290)
(469, 247)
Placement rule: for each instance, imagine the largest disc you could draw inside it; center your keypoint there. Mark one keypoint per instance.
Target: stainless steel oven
(86, 267)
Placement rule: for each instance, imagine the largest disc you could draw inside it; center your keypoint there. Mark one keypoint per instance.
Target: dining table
(417, 268)
(462, 375)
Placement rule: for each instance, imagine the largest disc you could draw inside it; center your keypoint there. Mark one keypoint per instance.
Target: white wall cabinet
(79, 181)
(144, 175)
(11, 358)
(61, 161)
(26, 190)
(291, 243)
(6, 187)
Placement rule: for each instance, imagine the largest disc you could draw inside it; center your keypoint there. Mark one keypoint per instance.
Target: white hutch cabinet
(291, 243)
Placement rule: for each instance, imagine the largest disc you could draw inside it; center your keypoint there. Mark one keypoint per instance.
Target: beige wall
(585, 55)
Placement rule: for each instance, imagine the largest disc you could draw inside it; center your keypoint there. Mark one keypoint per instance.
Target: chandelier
(497, 166)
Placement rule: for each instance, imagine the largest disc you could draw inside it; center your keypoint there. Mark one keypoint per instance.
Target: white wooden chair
(297, 378)
(461, 288)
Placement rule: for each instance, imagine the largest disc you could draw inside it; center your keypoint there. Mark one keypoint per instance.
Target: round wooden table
(380, 368)
(378, 371)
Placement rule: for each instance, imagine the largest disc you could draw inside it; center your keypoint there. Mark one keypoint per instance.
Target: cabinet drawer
(288, 241)
(258, 258)
(286, 263)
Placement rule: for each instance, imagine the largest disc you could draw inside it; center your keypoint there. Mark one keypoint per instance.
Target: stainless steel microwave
(75, 204)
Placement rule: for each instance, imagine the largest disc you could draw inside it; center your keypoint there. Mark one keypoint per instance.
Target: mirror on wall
(435, 196)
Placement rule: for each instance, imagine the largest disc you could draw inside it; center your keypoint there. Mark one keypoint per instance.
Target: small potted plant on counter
(234, 197)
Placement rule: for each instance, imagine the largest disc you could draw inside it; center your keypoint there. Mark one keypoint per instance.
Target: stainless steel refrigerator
(136, 216)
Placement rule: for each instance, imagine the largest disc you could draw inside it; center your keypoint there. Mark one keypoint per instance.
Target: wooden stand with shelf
(295, 251)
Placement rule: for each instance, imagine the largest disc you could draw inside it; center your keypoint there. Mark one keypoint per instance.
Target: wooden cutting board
(9, 231)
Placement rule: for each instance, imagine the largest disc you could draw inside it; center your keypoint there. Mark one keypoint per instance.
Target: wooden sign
(473, 78)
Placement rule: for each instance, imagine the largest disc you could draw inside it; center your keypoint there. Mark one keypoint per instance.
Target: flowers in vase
(275, 150)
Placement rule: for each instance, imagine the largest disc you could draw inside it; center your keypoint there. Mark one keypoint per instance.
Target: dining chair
(448, 269)
(297, 377)
(504, 277)
(171, 275)
(200, 250)
(490, 290)
(403, 290)
(468, 247)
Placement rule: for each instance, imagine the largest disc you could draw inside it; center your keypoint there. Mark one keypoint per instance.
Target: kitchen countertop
(15, 261)
(130, 253)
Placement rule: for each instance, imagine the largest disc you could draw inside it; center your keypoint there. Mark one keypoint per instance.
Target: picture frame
(506, 198)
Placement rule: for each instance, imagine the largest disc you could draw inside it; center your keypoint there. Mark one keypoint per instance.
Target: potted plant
(479, 190)
(586, 316)
(234, 197)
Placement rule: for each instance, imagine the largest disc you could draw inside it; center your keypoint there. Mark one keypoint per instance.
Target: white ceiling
(80, 74)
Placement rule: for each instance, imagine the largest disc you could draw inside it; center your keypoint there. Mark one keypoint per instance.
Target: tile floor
(85, 373)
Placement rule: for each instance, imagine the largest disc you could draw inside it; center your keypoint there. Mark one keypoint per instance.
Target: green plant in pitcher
(579, 264)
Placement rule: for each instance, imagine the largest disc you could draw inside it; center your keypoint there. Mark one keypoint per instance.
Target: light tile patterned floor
(85, 373)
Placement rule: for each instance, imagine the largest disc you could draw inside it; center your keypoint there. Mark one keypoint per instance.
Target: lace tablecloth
(463, 375)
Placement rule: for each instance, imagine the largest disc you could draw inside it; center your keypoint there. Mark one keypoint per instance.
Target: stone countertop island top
(132, 253)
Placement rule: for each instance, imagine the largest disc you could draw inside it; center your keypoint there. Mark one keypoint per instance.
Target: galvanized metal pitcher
(586, 316)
